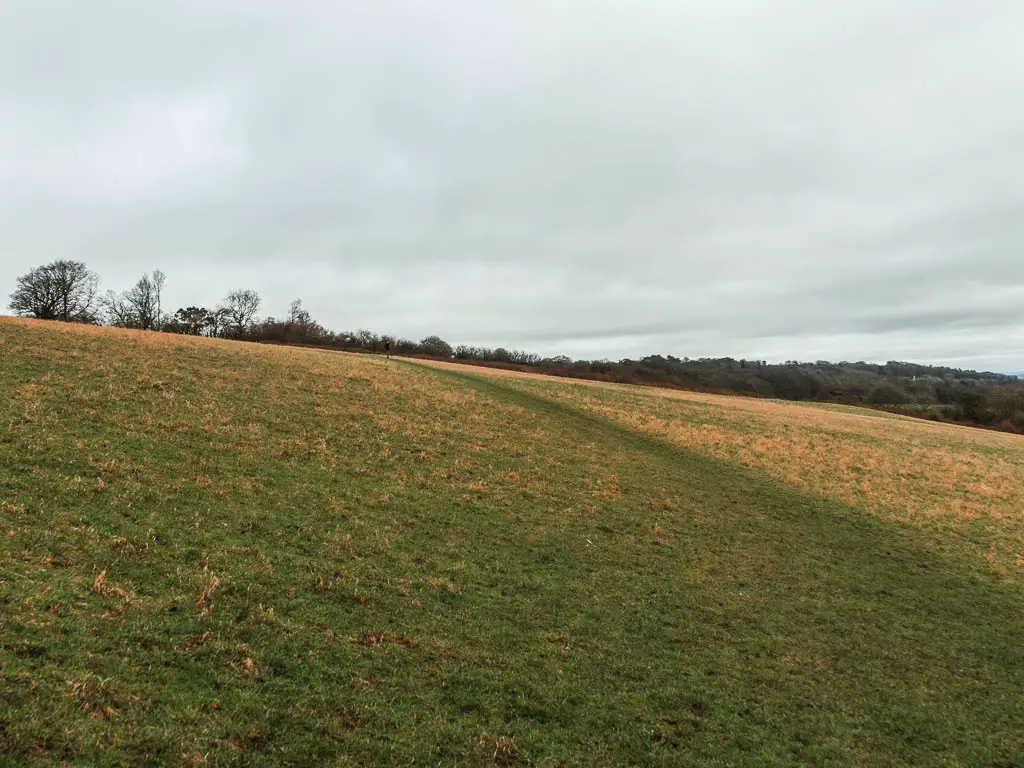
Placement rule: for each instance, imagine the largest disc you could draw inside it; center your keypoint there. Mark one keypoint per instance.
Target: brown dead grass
(229, 392)
(907, 469)
(101, 585)
(299, 475)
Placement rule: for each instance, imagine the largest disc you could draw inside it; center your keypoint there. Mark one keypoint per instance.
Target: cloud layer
(777, 180)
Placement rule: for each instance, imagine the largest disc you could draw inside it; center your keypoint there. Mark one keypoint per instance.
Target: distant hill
(233, 553)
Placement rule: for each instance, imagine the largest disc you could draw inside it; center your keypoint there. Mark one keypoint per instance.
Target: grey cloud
(773, 179)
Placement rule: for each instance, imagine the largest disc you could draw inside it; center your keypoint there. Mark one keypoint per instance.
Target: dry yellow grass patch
(908, 469)
(901, 468)
(234, 392)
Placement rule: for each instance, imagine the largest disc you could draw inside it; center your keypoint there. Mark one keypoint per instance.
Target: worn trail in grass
(309, 556)
(956, 483)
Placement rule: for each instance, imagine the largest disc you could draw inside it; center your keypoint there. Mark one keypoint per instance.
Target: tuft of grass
(101, 585)
(386, 563)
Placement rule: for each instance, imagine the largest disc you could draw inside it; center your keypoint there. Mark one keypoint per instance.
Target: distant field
(215, 553)
(937, 476)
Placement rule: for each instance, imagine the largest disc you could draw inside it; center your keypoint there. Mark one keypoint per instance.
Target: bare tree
(366, 339)
(193, 320)
(62, 290)
(297, 315)
(435, 345)
(241, 307)
(217, 322)
(159, 278)
(138, 307)
(118, 312)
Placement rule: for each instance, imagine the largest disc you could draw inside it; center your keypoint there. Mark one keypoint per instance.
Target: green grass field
(224, 554)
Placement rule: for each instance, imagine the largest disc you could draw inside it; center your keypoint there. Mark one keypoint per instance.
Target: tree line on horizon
(68, 291)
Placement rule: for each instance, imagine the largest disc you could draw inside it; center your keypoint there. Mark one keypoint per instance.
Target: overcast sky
(771, 179)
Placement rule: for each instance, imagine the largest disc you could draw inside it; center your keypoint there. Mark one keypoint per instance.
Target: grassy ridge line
(413, 568)
(738, 400)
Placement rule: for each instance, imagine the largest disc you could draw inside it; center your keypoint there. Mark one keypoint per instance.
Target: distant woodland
(68, 291)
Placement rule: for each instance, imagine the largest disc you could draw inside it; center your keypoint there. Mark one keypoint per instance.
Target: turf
(224, 554)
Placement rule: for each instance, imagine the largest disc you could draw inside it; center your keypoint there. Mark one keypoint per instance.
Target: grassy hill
(221, 553)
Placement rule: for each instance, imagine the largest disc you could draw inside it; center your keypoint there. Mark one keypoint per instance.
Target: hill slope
(225, 553)
(939, 477)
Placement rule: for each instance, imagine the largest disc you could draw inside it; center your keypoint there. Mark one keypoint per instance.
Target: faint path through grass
(953, 481)
(226, 554)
